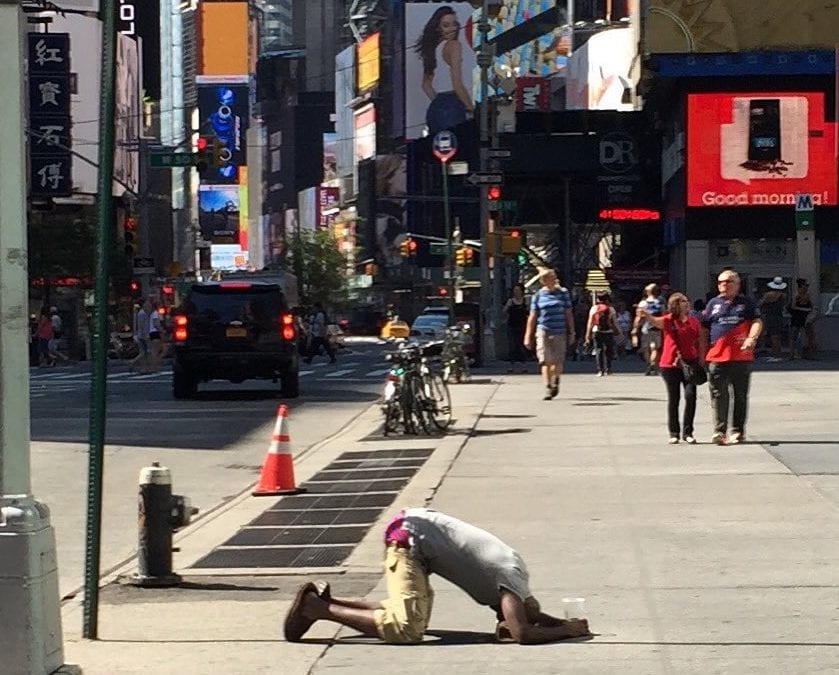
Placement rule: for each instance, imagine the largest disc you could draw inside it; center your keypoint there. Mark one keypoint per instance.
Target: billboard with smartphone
(760, 149)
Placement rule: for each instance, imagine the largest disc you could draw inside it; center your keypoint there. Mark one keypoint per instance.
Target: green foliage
(320, 268)
(64, 245)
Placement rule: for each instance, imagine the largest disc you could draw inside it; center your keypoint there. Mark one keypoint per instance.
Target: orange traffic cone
(278, 468)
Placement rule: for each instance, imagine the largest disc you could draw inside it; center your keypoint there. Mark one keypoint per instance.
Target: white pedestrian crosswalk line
(303, 373)
(338, 373)
(378, 373)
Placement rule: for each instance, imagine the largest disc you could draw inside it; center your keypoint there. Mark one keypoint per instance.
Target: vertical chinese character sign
(50, 162)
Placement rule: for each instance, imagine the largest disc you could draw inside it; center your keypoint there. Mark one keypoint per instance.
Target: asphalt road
(214, 444)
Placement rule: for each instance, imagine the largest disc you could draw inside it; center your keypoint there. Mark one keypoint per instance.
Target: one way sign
(485, 178)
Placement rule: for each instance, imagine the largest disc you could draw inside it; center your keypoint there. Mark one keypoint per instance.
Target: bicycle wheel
(392, 413)
(419, 404)
(439, 400)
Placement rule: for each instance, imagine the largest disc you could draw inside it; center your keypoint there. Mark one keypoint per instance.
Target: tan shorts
(550, 348)
(404, 616)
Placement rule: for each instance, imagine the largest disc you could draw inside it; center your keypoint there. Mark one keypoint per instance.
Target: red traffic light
(443, 291)
(168, 290)
(412, 245)
(515, 233)
(494, 192)
(202, 143)
(134, 286)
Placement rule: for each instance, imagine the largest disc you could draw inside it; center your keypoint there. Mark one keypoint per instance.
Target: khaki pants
(404, 616)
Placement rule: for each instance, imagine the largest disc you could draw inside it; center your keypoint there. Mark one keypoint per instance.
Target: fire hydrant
(160, 515)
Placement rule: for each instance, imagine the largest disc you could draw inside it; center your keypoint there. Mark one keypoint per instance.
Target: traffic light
(129, 237)
(460, 257)
(205, 159)
(408, 248)
(134, 288)
(511, 242)
(521, 258)
(494, 202)
(469, 252)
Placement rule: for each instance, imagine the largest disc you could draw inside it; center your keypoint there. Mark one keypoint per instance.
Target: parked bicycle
(415, 396)
(453, 357)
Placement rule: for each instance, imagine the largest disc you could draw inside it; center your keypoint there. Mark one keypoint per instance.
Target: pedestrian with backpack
(650, 336)
(602, 328)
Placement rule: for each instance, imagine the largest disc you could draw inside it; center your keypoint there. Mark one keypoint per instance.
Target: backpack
(602, 317)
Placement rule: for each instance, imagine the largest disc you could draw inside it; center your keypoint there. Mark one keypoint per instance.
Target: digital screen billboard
(223, 38)
(760, 149)
(223, 115)
(439, 65)
(218, 211)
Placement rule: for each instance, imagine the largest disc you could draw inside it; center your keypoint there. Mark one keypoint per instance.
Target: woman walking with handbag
(681, 365)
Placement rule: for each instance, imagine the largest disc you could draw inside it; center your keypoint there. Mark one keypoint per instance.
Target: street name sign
(439, 248)
(478, 178)
(500, 153)
(172, 159)
(144, 265)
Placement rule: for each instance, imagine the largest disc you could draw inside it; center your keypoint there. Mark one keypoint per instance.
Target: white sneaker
(690, 440)
(673, 440)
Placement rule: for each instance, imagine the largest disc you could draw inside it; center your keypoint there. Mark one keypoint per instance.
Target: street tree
(320, 268)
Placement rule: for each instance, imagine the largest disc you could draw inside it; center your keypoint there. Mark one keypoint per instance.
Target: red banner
(760, 149)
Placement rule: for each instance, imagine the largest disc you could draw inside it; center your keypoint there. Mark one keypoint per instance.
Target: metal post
(449, 253)
(499, 262)
(567, 261)
(100, 335)
(30, 637)
(485, 61)
(144, 229)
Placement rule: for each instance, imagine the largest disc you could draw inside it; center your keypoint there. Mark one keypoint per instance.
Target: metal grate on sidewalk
(321, 527)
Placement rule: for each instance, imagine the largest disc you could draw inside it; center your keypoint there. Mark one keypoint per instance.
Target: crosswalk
(44, 382)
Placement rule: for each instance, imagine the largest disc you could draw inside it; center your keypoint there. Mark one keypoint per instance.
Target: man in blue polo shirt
(550, 328)
(732, 325)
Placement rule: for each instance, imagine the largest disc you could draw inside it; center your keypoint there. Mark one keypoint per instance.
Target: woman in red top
(680, 333)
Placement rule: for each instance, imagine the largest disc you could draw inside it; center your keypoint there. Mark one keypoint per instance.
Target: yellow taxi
(395, 329)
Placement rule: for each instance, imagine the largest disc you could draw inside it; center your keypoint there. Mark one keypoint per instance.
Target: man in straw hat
(420, 542)
(772, 313)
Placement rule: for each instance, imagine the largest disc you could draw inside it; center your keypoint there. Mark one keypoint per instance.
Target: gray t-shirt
(467, 556)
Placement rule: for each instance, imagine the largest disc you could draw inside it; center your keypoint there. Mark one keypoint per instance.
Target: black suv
(235, 330)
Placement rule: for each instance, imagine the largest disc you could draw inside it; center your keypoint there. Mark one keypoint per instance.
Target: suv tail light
(287, 322)
(181, 328)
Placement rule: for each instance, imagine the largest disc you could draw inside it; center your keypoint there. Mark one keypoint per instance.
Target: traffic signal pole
(488, 313)
(30, 632)
(449, 248)
(98, 391)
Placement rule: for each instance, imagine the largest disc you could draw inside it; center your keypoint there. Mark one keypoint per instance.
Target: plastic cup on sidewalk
(574, 608)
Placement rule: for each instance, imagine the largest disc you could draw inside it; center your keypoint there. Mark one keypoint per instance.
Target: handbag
(692, 370)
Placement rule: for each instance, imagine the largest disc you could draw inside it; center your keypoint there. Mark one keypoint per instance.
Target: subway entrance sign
(804, 212)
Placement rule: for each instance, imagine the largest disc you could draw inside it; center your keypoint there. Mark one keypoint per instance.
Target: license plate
(390, 390)
(236, 332)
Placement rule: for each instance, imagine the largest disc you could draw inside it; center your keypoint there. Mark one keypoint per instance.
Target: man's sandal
(296, 624)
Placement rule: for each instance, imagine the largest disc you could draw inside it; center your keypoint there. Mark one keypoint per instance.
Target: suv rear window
(225, 304)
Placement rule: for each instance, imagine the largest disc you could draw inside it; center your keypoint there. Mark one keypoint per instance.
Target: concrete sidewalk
(691, 558)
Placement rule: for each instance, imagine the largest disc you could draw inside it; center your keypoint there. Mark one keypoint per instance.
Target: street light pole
(485, 57)
(30, 635)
